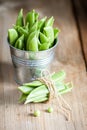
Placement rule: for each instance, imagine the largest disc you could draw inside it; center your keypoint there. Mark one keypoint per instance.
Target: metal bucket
(28, 65)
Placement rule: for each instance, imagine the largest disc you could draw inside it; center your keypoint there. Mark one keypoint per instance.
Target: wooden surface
(71, 56)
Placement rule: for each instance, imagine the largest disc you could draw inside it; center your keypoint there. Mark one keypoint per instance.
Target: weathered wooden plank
(2, 109)
(68, 57)
(80, 7)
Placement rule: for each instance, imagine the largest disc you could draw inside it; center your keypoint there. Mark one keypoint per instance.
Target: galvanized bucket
(28, 65)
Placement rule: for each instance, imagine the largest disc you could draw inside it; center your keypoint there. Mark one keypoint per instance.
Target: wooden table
(71, 56)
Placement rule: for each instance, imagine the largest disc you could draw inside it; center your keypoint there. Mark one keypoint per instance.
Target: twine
(63, 106)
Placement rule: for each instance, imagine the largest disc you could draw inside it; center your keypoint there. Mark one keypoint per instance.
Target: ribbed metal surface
(28, 65)
(32, 63)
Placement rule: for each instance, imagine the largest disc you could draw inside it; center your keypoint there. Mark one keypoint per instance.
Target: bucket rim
(25, 51)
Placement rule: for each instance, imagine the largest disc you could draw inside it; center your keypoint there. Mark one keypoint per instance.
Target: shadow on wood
(6, 73)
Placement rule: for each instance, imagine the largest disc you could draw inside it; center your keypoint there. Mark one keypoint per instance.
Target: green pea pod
(15, 27)
(38, 41)
(31, 35)
(22, 98)
(36, 16)
(41, 99)
(32, 44)
(25, 89)
(19, 21)
(43, 38)
(30, 17)
(56, 32)
(20, 42)
(39, 44)
(33, 84)
(22, 31)
(49, 22)
(12, 36)
(35, 99)
(41, 23)
(27, 27)
(17, 43)
(34, 27)
(49, 32)
(44, 46)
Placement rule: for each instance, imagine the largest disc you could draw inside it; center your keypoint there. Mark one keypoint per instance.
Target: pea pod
(35, 98)
(36, 16)
(22, 31)
(38, 41)
(20, 43)
(30, 17)
(56, 32)
(22, 98)
(27, 27)
(32, 44)
(43, 38)
(49, 32)
(12, 36)
(49, 22)
(43, 92)
(33, 84)
(15, 27)
(34, 27)
(41, 23)
(30, 36)
(41, 99)
(25, 89)
(44, 46)
(37, 92)
(19, 21)
(36, 32)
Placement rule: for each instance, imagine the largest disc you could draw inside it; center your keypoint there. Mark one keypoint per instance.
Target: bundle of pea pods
(32, 33)
(37, 92)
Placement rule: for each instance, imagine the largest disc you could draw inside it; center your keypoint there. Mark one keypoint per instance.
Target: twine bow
(63, 106)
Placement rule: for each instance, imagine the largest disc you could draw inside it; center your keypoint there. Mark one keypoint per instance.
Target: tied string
(63, 106)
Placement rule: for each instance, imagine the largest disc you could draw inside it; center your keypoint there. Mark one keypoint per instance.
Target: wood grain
(68, 56)
(80, 7)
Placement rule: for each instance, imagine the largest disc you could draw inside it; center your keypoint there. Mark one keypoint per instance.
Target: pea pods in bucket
(32, 45)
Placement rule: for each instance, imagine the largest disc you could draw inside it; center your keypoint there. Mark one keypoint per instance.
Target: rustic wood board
(80, 8)
(68, 56)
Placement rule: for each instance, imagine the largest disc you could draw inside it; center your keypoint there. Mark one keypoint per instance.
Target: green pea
(50, 109)
(49, 22)
(12, 36)
(36, 113)
(20, 42)
(43, 38)
(41, 23)
(49, 32)
(30, 17)
(19, 21)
